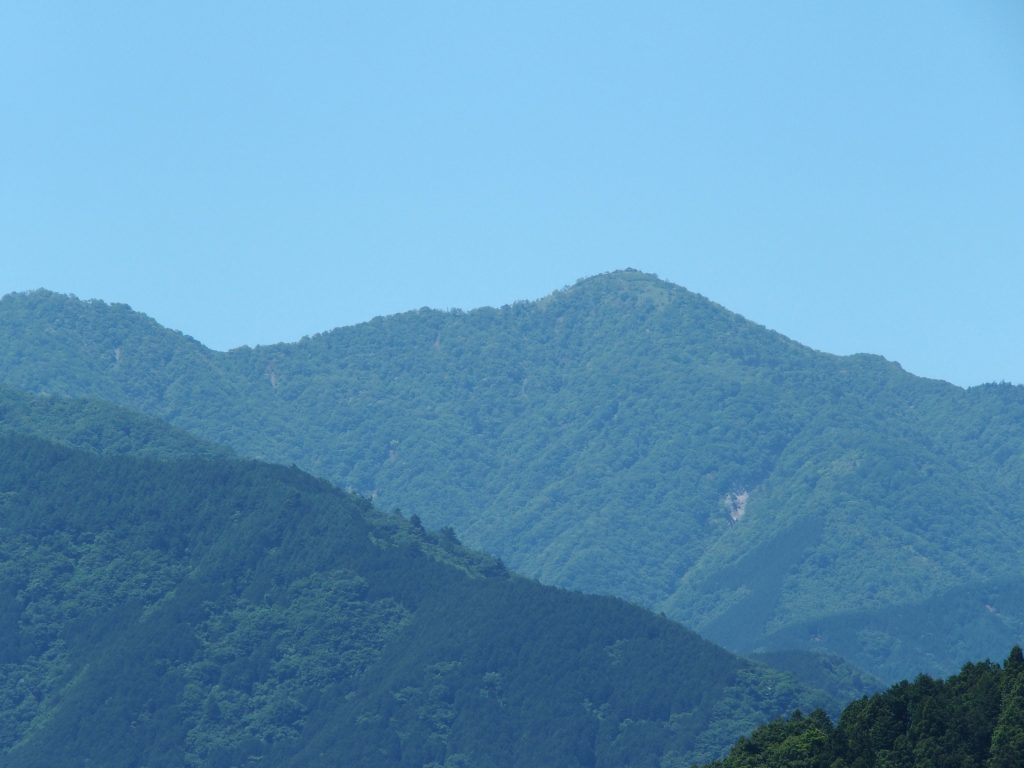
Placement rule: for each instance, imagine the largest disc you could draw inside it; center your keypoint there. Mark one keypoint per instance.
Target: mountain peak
(629, 287)
(626, 279)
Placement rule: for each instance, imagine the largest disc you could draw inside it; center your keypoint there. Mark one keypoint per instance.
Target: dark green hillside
(97, 426)
(622, 436)
(224, 613)
(972, 720)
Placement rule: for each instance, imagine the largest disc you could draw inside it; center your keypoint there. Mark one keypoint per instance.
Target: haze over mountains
(622, 436)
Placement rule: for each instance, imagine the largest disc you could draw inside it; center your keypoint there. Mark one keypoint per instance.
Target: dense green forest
(622, 436)
(163, 609)
(972, 720)
(99, 427)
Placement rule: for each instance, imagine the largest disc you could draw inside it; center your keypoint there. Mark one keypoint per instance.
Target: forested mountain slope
(622, 436)
(100, 427)
(974, 719)
(215, 612)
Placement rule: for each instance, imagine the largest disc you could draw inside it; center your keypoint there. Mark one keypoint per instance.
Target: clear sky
(848, 173)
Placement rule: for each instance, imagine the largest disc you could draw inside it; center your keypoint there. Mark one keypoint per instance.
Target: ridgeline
(622, 436)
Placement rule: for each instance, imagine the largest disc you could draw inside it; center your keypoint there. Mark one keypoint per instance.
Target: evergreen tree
(1008, 738)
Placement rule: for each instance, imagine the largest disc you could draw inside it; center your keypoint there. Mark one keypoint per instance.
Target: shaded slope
(217, 612)
(622, 436)
(823, 672)
(97, 426)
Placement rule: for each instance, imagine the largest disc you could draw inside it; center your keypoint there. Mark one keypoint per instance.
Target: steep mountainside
(622, 436)
(214, 612)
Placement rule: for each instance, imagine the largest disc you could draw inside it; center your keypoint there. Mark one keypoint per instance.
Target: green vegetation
(214, 612)
(622, 436)
(824, 672)
(99, 427)
(972, 720)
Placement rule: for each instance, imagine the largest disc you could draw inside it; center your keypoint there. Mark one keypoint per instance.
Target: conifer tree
(1008, 737)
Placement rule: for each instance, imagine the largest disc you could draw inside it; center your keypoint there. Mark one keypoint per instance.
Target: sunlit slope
(623, 436)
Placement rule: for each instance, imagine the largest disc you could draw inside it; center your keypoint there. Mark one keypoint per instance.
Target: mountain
(621, 436)
(975, 718)
(208, 611)
(825, 672)
(98, 427)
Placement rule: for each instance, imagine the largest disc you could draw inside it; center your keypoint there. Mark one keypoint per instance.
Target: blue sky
(850, 174)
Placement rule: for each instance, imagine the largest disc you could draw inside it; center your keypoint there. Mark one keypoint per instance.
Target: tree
(1008, 737)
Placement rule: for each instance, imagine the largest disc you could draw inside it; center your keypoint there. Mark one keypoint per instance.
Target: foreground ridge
(975, 718)
(166, 609)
